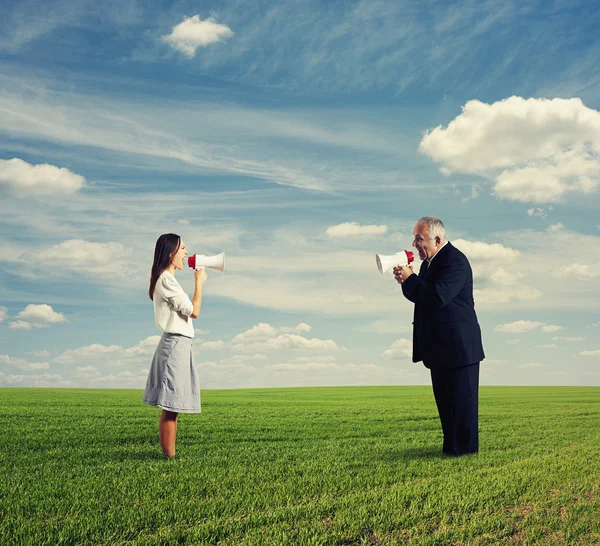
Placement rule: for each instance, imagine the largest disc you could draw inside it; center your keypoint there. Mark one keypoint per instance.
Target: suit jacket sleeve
(450, 281)
(408, 294)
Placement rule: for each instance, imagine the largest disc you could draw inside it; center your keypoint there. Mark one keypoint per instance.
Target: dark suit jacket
(446, 333)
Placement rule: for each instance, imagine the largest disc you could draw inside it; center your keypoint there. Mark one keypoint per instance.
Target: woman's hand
(200, 276)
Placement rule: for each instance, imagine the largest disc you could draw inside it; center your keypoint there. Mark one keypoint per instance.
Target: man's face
(427, 247)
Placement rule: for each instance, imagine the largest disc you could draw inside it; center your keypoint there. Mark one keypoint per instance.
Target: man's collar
(438, 250)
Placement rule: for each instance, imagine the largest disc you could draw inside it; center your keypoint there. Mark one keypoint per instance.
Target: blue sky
(300, 139)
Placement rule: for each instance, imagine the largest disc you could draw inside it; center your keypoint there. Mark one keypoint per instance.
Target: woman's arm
(199, 277)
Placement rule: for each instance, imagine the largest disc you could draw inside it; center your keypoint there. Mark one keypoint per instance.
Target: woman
(173, 383)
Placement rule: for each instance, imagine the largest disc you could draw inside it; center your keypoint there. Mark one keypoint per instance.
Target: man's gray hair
(435, 227)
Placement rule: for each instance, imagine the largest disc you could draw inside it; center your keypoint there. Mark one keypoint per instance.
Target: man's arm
(450, 281)
(407, 294)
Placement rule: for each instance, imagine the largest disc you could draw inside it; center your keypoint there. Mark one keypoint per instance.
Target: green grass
(331, 466)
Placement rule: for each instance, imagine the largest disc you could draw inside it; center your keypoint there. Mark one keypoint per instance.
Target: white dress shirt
(172, 306)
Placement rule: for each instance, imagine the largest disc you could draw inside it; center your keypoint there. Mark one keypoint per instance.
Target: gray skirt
(173, 383)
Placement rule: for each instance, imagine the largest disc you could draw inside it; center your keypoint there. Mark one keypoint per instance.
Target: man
(446, 334)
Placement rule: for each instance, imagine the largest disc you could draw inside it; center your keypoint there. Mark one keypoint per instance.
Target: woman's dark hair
(165, 248)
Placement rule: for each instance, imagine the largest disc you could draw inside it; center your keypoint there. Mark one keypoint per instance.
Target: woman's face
(178, 258)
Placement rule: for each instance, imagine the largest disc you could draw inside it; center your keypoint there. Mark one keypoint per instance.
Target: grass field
(331, 466)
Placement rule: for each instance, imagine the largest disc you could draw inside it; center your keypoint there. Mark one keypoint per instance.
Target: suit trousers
(456, 392)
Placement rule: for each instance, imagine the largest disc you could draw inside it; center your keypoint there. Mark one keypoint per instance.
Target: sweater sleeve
(173, 293)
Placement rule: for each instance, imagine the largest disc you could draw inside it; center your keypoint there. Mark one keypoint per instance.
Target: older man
(446, 334)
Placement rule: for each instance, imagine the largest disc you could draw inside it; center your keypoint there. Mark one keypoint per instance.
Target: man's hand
(402, 272)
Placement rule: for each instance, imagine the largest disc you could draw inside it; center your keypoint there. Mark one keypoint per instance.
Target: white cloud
(213, 345)
(494, 296)
(521, 326)
(536, 150)
(42, 354)
(86, 257)
(146, 347)
(36, 366)
(542, 255)
(551, 328)
(399, 350)
(286, 342)
(475, 191)
(533, 365)
(246, 358)
(93, 360)
(495, 273)
(38, 316)
(41, 315)
(258, 331)
(549, 183)
(265, 331)
(207, 364)
(298, 329)
(22, 364)
(518, 327)
(513, 341)
(227, 366)
(537, 212)
(494, 362)
(595, 353)
(125, 379)
(114, 353)
(128, 374)
(322, 358)
(570, 339)
(548, 346)
(22, 178)
(579, 271)
(40, 380)
(94, 351)
(354, 229)
(489, 252)
(388, 326)
(3, 313)
(194, 32)
(302, 366)
(320, 363)
(556, 228)
(19, 325)
(86, 372)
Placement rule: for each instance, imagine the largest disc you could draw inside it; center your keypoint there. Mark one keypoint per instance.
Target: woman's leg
(167, 432)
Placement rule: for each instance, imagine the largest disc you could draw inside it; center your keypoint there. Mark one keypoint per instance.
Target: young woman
(173, 383)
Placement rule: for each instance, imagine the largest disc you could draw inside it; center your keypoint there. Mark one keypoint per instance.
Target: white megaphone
(198, 261)
(406, 257)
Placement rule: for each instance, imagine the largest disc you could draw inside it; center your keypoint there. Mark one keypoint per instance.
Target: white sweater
(172, 306)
